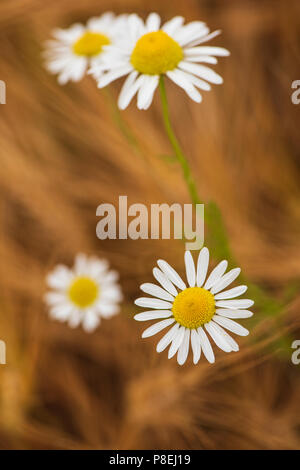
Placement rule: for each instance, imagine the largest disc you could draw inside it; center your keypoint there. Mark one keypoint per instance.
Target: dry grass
(61, 156)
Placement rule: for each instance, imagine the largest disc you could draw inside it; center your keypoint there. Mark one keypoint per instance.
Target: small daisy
(83, 294)
(199, 312)
(149, 50)
(74, 49)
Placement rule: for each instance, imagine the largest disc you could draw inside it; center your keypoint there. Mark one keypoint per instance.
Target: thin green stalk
(187, 174)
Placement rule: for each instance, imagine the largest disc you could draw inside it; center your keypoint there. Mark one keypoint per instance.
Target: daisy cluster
(201, 310)
(111, 47)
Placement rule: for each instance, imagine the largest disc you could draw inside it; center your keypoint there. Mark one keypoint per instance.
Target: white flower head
(148, 50)
(84, 294)
(198, 313)
(76, 48)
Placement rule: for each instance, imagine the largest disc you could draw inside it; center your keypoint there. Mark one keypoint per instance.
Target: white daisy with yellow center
(148, 50)
(199, 312)
(76, 48)
(84, 294)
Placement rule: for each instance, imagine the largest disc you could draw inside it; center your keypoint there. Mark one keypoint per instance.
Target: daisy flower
(149, 50)
(83, 294)
(74, 49)
(199, 312)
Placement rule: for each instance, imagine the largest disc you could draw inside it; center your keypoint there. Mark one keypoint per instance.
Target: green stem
(218, 239)
(187, 174)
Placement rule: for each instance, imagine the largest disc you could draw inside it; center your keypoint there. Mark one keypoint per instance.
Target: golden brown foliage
(61, 156)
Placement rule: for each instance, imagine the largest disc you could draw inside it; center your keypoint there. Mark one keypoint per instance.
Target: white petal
(167, 339)
(190, 268)
(205, 59)
(67, 66)
(173, 25)
(70, 34)
(231, 293)
(195, 80)
(90, 321)
(206, 50)
(153, 289)
(216, 274)
(64, 77)
(206, 38)
(59, 278)
(185, 84)
(164, 281)
(110, 291)
(196, 346)
(111, 276)
(79, 69)
(176, 342)
(106, 309)
(75, 319)
(146, 91)
(184, 348)
(171, 274)
(157, 327)
(231, 325)
(61, 311)
(225, 280)
(81, 264)
(232, 343)
(235, 304)
(217, 337)
(109, 77)
(97, 22)
(153, 22)
(153, 315)
(202, 266)
(206, 346)
(201, 71)
(136, 27)
(148, 103)
(98, 268)
(153, 303)
(104, 64)
(191, 32)
(225, 312)
(129, 89)
(55, 298)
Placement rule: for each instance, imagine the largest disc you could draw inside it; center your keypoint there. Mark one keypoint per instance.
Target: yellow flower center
(193, 307)
(83, 291)
(90, 44)
(156, 53)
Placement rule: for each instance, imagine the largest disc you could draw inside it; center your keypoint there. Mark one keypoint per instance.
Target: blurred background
(62, 155)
